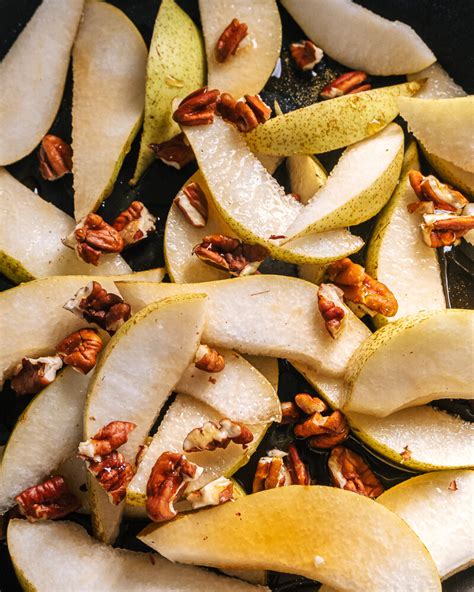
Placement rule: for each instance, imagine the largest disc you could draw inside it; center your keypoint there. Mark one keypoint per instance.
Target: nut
(55, 158)
(331, 307)
(306, 54)
(430, 189)
(245, 115)
(198, 108)
(107, 440)
(260, 109)
(271, 473)
(48, 500)
(230, 39)
(92, 237)
(230, 254)
(32, 375)
(348, 83)
(135, 223)
(80, 350)
(215, 493)
(168, 479)
(443, 230)
(299, 472)
(113, 473)
(309, 404)
(208, 359)
(175, 152)
(211, 436)
(324, 431)
(289, 413)
(349, 471)
(192, 203)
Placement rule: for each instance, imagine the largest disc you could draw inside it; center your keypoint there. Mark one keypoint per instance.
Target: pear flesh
(439, 85)
(306, 174)
(452, 174)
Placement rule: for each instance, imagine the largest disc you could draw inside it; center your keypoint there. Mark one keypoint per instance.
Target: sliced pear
(307, 175)
(109, 63)
(328, 125)
(349, 33)
(176, 67)
(33, 75)
(452, 174)
(439, 85)
(281, 318)
(268, 367)
(331, 388)
(438, 507)
(358, 187)
(261, 47)
(397, 255)
(47, 554)
(445, 128)
(312, 272)
(266, 531)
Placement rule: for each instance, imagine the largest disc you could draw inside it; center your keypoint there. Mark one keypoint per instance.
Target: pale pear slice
(248, 70)
(33, 75)
(359, 186)
(306, 174)
(31, 234)
(444, 127)
(438, 507)
(281, 318)
(48, 554)
(175, 68)
(328, 125)
(413, 361)
(439, 85)
(302, 530)
(137, 372)
(268, 367)
(33, 317)
(452, 174)
(312, 272)
(397, 255)
(109, 64)
(185, 414)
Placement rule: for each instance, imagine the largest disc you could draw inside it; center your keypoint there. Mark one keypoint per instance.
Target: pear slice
(413, 361)
(397, 255)
(452, 174)
(359, 38)
(281, 318)
(109, 63)
(439, 85)
(328, 125)
(268, 367)
(248, 70)
(307, 175)
(33, 75)
(358, 187)
(126, 387)
(47, 554)
(31, 234)
(176, 67)
(266, 531)
(438, 507)
(445, 128)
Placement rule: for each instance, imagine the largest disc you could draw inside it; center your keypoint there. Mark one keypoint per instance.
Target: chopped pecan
(92, 237)
(453, 486)
(260, 109)
(80, 349)
(192, 203)
(215, 493)
(289, 413)
(230, 254)
(211, 436)
(331, 307)
(349, 471)
(306, 54)
(230, 39)
(175, 152)
(55, 158)
(309, 404)
(430, 189)
(324, 431)
(135, 223)
(113, 473)
(443, 230)
(348, 83)
(107, 440)
(198, 108)
(280, 469)
(208, 359)
(298, 470)
(48, 500)
(245, 114)
(168, 479)
(32, 375)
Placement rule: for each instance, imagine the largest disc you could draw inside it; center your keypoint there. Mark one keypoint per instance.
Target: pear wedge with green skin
(412, 361)
(176, 67)
(246, 72)
(438, 506)
(398, 257)
(31, 234)
(262, 539)
(47, 554)
(328, 125)
(33, 75)
(452, 174)
(438, 85)
(306, 174)
(281, 318)
(109, 64)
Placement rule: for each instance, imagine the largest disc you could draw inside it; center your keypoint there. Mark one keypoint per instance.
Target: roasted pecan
(168, 479)
(330, 304)
(175, 152)
(230, 254)
(298, 470)
(430, 189)
(324, 431)
(271, 473)
(55, 158)
(198, 108)
(107, 440)
(113, 473)
(247, 114)
(192, 203)
(230, 39)
(348, 83)
(226, 107)
(48, 500)
(208, 359)
(309, 404)
(215, 493)
(349, 471)
(289, 413)
(443, 230)
(306, 54)
(92, 237)
(32, 375)
(211, 436)
(135, 223)
(80, 349)
(260, 109)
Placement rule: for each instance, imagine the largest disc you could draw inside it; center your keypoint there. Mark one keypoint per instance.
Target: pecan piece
(198, 108)
(134, 224)
(289, 413)
(280, 469)
(324, 431)
(80, 349)
(230, 39)
(430, 189)
(55, 158)
(306, 54)
(48, 500)
(107, 440)
(211, 436)
(175, 152)
(349, 471)
(444, 230)
(260, 109)
(331, 307)
(32, 375)
(113, 473)
(215, 493)
(309, 404)
(246, 114)
(348, 83)
(230, 254)
(208, 359)
(92, 237)
(299, 472)
(192, 203)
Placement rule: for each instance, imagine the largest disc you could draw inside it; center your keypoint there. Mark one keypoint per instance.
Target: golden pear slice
(452, 174)
(438, 85)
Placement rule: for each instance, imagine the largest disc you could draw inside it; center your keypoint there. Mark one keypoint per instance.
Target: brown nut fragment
(113, 473)
(168, 479)
(135, 223)
(306, 54)
(47, 501)
(260, 109)
(331, 307)
(453, 486)
(80, 350)
(55, 158)
(289, 413)
(271, 473)
(230, 254)
(192, 203)
(324, 431)
(444, 230)
(298, 470)
(176, 152)
(349, 471)
(430, 189)
(230, 39)
(215, 493)
(92, 237)
(32, 375)
(348, 83)
(198, 108)
(211, 436)
(245, 114)
(208, 359)
(309, 404)
(107, 440)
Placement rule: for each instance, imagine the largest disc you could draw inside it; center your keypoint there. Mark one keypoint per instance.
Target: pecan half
(324, 431)
(348, 83)
(230, 39)
(309, 404)
(175, 152)
(92, 237)
(113, 473)
(55, 158)
(444, 230)
(349, 471)
(289, 413)
(331, 307)
(135, 223)
(32, 375)
(230, 254)
(198, 108)
(47, 501)
(80, 350)
(215, 493)
(107, 440)
(430, 189)
(280, 469)
(168, 479)
(208, 359)
(306, 54)
(244, 114)
(192, 203)
(211, 436)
